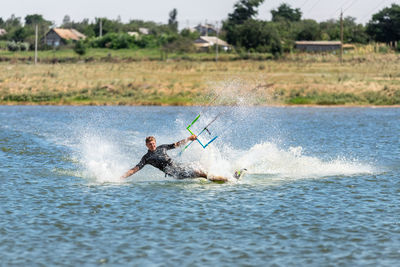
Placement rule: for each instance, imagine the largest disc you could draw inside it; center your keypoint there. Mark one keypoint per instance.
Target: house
(3, 32)
(144, 31)
(134, 34)
(318, 46)
(205, 42)
(207, 29)
(57, 36)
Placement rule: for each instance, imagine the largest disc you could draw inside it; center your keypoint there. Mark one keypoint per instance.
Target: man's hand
(130, 172)
(184, 141)
(192, 137)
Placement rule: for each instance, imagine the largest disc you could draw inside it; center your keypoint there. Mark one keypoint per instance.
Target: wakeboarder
(157, 156)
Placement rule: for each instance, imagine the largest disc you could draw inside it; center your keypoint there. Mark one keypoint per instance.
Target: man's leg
(199, 173)
(183, 174)
(210, 177)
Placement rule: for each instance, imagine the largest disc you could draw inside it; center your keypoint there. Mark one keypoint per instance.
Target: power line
(314, 5)
(352, 3)
(369, 13)
(305, 2)
(341, 6)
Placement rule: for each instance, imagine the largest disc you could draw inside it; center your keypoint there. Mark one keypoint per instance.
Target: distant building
(2, 32)
(205, 42)
(57, 36)
(136, 34)
(144, 31)
(207, 29)
(318, 46)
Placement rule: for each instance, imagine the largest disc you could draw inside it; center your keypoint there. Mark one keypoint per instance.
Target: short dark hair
(149, 139)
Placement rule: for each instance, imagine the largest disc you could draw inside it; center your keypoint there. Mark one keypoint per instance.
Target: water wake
(104, 160)
(268, 158)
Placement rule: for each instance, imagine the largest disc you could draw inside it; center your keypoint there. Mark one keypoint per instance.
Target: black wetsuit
(160, 159)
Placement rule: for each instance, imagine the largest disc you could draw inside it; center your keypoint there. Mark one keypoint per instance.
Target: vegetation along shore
(297, 79)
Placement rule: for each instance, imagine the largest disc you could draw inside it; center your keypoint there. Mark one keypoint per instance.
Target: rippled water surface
(322, 187)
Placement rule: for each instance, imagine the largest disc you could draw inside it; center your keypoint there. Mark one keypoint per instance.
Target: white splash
(101, 159)
(268, 158)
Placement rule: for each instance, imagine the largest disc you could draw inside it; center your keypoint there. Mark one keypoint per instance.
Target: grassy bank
(120, 55)
(369, 79)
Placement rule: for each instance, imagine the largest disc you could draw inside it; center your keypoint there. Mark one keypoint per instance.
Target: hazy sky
(190, 12)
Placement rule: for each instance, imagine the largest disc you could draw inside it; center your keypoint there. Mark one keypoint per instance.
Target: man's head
(151, 143)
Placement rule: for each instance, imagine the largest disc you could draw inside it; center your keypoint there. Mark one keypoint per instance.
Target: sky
(190, 12)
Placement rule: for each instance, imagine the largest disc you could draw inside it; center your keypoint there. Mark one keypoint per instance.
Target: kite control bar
(204, 129)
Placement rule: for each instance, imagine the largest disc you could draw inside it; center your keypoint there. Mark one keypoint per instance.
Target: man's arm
(130, 172)
(135, 169)
(184, 141)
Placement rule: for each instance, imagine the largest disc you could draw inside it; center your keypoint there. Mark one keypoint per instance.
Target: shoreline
(189, 105)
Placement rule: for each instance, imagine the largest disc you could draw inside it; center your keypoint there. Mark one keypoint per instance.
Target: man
(158, 157)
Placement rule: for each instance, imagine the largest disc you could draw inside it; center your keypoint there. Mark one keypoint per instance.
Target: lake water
(322, 187)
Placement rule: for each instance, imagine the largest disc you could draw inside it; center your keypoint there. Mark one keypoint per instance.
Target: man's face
(151, 145)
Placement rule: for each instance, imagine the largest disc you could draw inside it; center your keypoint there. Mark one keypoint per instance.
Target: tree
(259, 36)
(244, 10)
(285, 12)
(2, 23)
(353, 32)
(21, 34)
(172, 21)
(330, 29)
(28, 34)
(35, 19)
(66, 22)
(12, 22)
(385, 25)
(84, 27)
(307, 30)
(108, 26)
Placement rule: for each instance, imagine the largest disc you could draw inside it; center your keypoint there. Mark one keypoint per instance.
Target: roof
(69, 34)
(210, 40)
(318, 43)
(206, 26)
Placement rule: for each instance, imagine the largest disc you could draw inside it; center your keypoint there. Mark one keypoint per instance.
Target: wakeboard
(240, 173)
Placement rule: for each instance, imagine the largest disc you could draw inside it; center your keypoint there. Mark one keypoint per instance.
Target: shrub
(80, 48)
(17, 46)
(383, 49)
(12, 46)
(114, 41)
(24, 46)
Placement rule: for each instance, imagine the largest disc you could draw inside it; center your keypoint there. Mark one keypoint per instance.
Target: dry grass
(298, 79)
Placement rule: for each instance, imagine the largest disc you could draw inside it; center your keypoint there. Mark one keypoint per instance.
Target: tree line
(241, 29)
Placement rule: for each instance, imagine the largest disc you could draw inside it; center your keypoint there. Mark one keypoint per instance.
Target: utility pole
(216, 43)
(36, 42)
(101, 28)
(341, 37)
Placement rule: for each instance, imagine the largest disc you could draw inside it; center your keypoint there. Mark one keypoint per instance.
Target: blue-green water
(322, 189)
